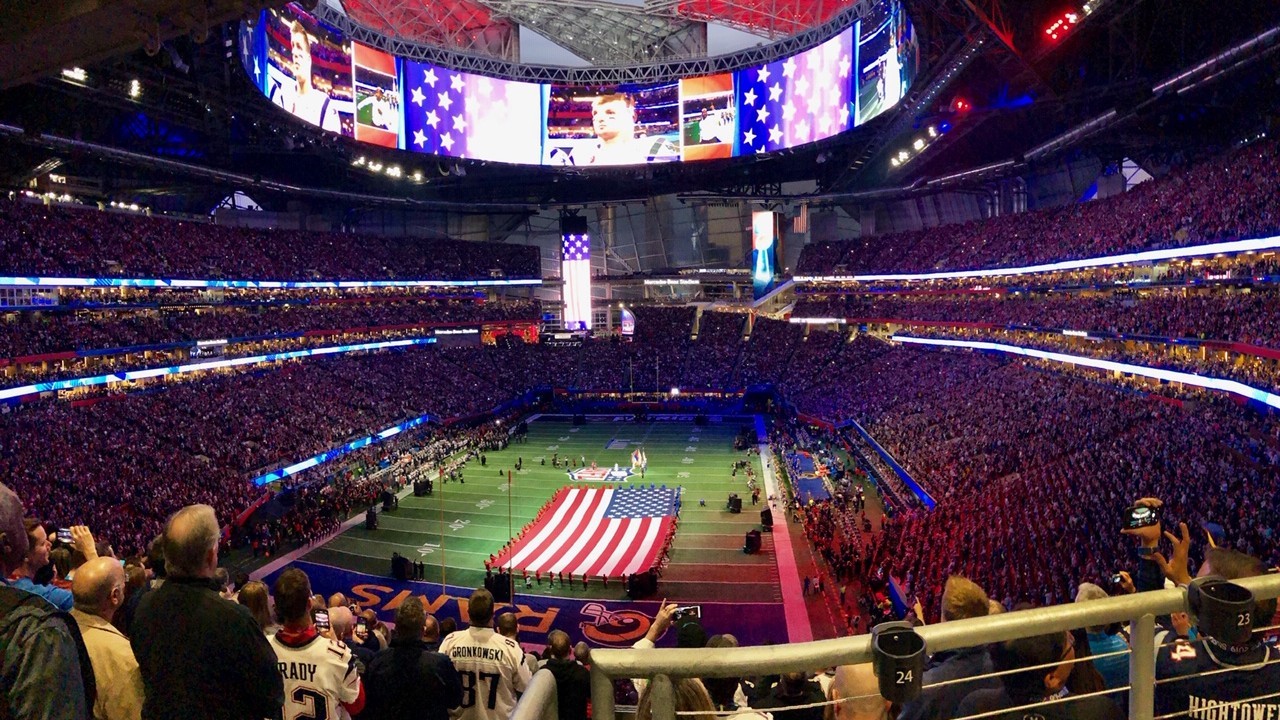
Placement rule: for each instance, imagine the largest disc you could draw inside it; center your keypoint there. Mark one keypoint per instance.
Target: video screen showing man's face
(614, 118)
(301, 47)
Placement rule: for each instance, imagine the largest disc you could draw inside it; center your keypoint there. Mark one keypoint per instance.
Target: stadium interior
(769, 359)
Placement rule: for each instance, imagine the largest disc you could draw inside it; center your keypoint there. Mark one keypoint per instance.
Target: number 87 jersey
(492, 671)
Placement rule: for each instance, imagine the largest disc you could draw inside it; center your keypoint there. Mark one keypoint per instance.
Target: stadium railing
(662, 665)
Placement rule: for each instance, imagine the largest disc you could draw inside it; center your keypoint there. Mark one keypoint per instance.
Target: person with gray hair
(99, 590)
(40, 648)
(573, 682)
(200, 655)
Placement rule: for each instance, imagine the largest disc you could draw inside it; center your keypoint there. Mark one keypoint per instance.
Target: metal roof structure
(601, 32)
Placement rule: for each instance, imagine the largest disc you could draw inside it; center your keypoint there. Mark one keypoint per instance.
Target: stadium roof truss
(601, 31)
(591, 26)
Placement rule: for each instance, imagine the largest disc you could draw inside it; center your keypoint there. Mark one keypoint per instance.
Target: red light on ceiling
(1062, 25)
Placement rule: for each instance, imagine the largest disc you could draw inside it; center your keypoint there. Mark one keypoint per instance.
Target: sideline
(793, 605)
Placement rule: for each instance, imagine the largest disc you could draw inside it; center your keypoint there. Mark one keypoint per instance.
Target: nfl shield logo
(601, 474)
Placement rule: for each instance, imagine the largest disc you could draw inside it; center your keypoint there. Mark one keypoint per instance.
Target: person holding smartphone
(23, 578)
(1143, 521)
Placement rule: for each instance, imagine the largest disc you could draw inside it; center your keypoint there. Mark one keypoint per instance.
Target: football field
(455, 530)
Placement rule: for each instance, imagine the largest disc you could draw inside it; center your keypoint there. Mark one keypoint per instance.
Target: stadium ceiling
(600, 32)
(41, 38)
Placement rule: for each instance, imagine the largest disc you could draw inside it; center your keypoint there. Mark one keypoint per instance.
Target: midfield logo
(604, 474)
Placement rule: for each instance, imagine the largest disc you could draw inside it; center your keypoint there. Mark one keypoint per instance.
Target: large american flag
(613, 532)
(798, 100)
(575, 271)
(471, 116)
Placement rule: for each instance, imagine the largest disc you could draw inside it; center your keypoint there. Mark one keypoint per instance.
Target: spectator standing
(491, 666)
(409, 680)
(40, 649)
(226, 668)
(961, 599)
(320, 676)
(573, 681)
(254, 596)
(1037, 685)
(99, 590)
(509, 628)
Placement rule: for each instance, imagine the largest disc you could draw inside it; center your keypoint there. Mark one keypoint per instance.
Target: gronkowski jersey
(319, 675)
(1250, 690)
(492, 669)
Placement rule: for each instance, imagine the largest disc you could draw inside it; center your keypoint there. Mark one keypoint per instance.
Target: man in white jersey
(319, 673)
(491, 666)
(302, 98)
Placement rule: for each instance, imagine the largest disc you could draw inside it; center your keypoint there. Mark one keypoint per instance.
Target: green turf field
(455, 530)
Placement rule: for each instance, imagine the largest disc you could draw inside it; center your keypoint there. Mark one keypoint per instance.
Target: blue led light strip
(54, 385)
(1221, 248)
(338, 452)
(33, 281)
(1209, 383)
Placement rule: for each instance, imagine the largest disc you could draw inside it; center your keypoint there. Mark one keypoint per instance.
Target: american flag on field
(471, 116)
(798, 100)
(613, 532)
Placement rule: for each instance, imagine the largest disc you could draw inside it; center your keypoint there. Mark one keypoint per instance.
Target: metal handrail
(1139, 610)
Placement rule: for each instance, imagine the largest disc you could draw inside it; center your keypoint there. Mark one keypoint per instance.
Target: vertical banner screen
(575, 271)
(627, 321)
(764, 256)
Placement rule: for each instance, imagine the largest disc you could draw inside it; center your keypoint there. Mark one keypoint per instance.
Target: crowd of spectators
(1227, 314)
(999, 444)
(27, 333)
(125, 462)
(63, 242)
(1232, 196)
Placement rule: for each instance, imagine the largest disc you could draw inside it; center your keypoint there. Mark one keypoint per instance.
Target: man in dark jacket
(200, 655)
(573, 682)
(961, 599)
(41, 677)
(407, 680)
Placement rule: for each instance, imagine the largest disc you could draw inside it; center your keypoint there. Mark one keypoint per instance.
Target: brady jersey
(319, 675)
(1250, 690)
(492, 670)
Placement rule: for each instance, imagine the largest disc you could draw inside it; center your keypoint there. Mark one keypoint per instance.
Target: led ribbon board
(55, 385)
(36, 281)
(1209, 383)
(338, 452)
(1221, 248)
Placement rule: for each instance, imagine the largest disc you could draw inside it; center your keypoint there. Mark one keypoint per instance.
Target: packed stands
(1228, 197)
(62, 242)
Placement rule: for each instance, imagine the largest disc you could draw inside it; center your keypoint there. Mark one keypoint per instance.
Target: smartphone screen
(64, 535)
(1141, 516)
(362, 627)
(322, 619)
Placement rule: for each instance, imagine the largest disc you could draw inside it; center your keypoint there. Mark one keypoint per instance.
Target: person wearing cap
(1247, 684)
